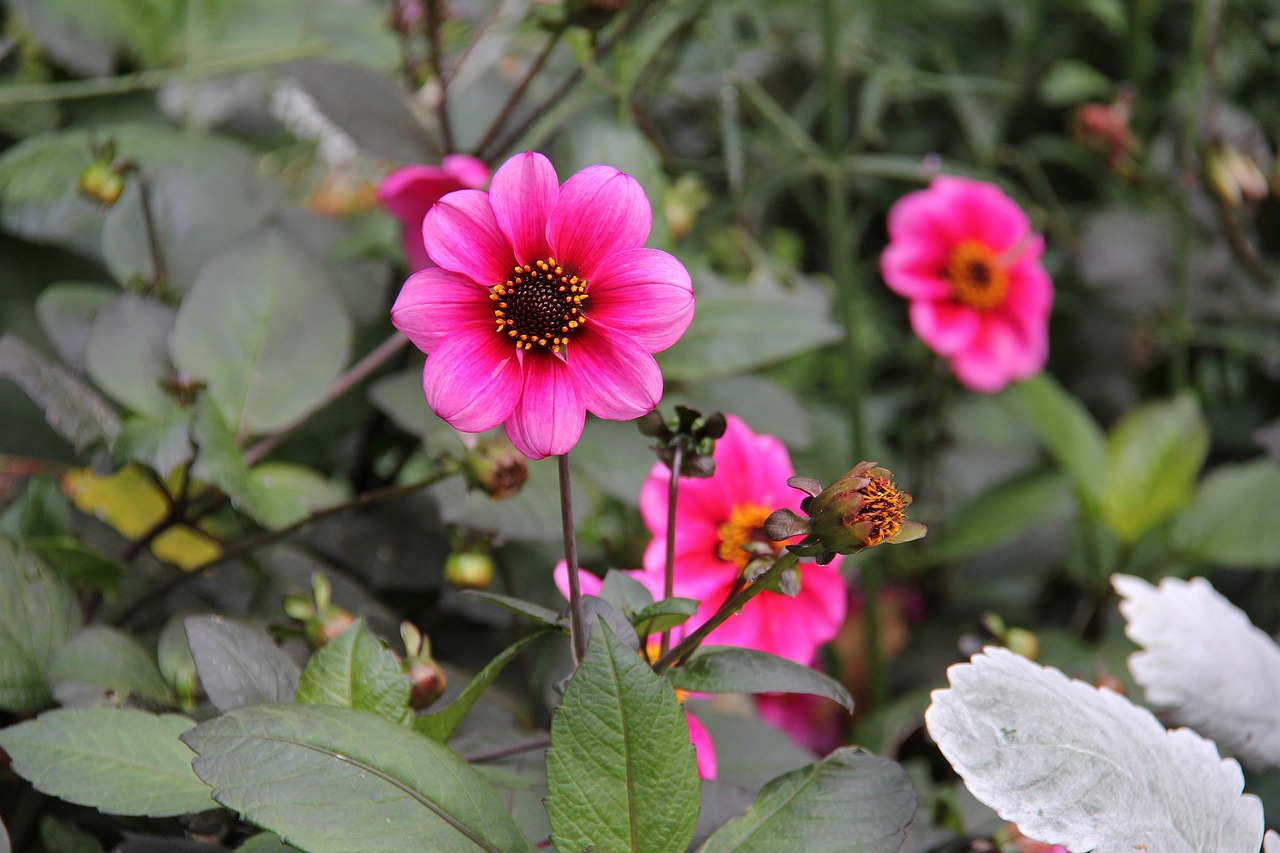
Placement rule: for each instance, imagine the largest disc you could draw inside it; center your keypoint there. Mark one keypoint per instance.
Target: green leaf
(536, 612)
(117, 760)
(74, 410)
(219, 459)
(1155, 454)
(104, 657)
(724, 338)
(162, 442)
(850, 802)
(354, 670)
(239, 665)
(728, 669)
(59, 836)
(262, 326)
(998, 514)
(1070, 81)
(664, 615)
(265, 842)
(1234, 517)
(337, 780)
(66, 311)
(281, 493)
(627, 595)
(621, 774)
(79, 563)
(38, 613)
(40, 512)
(127, 353)
(440, 725)
(1070, 434)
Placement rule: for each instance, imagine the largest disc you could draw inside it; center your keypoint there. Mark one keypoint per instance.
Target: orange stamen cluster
(745, 525)
(882, 512)
(540, 305)
(978, 276)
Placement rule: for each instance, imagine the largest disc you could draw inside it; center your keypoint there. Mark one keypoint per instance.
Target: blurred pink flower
(702, 747)
(409, 192)
(545, 304)
(715, 517)
(814, 722)
(965, 255)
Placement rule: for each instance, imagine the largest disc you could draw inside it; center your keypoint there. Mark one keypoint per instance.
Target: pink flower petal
(600, 211)
(468, 171)
(618, 378)
(436, 303)
(915, 268)
(700, 574)
(588, 582)
(702, 747)
(472, 379)
(947, 327)
(462, 235)
(996, 357)
(523, 194)
(645, 293)
(549, 418)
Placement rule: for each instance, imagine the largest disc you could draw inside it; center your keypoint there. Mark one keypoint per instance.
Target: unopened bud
(496, 468)
(469, 569)
(102, 182)
(1234, 176)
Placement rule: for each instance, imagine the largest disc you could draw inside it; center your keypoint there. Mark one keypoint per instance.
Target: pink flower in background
(409, 192)
(702, 747)
(965, 255)
(715, 517)
(545, 304)
(813, 722)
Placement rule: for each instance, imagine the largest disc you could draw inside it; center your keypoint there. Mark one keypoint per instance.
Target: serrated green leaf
(536, 612)
(74, 410)
(850, 802)
(354, 670)
(627, 595)
(337, 780)
(38, 613)
(1067, 430)
(1233, 518)
(281, 493)
(262, 326)
(107, 658)
(78, 562)
(117, 760)
(998, 514)
(1154, 455)
(239, 665)
(127, 353)
(621, 773)
(728, 669)
(66, 311)
(440, 725)
(665, 615)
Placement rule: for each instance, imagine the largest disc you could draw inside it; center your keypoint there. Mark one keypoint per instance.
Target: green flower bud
(469, 569)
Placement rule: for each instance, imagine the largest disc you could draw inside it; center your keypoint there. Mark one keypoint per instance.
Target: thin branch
(504, 115)
(539, 742)
(577, 630)
(435, 55)
(669, 565)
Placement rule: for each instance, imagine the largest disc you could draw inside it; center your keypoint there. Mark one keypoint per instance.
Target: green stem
(504, 115)
(669, 567)
(577, 630)
(877, 674)
(731, 606)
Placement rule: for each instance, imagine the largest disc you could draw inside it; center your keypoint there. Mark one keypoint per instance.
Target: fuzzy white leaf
(1205, 664)
(1086, 768)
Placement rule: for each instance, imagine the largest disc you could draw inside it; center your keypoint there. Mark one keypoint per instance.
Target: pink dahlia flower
(409, 192)
(545, 304)
(715, 517)
(965, 255)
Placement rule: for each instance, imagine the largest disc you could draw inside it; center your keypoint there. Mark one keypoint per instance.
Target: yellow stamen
(978, 276)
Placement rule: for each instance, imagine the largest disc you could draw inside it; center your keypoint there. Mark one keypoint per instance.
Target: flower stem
(731, 606)
(504, 115)
(877, 676)
(436, 58)
(669, 568)
(577, 631)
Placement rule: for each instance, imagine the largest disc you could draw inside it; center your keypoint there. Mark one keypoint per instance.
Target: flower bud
(427, 680)
(102, 182)
(321, 619)
(496, 468)
(469, 569)
(690, 430)
(1234, 176)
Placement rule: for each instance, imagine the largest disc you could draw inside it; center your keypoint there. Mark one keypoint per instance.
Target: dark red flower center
(540, 305)
(977, 275)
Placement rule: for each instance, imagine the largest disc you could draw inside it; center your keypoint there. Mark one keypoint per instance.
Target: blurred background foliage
(174, 394)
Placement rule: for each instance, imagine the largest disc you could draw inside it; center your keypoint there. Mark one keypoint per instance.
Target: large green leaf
(621, 774)
(998, 514)
(728, 669)
(60, 836)
(338, 780)
(265, 842)
(117, 760)
(262, 326)
(78, 562)
(74, 410)
(66, 311)
(239, 665)
(441, 724)
(354, 670)
(104, 657)
(162, 443)
(127, 353)
(1070, 434)
(38, 613)
(1234, 517)
(41, 512)
(1155, 454)
(281, 493)
(850, 802)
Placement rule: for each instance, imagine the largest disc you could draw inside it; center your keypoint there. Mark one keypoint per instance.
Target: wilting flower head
(860, 510)
(545, 304)
(715, 518)
(409, 192)
(965, 255)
